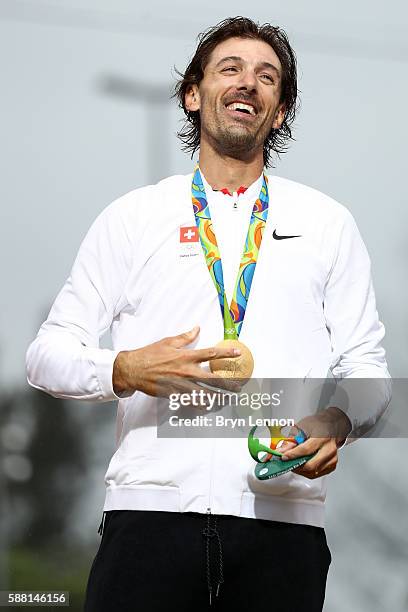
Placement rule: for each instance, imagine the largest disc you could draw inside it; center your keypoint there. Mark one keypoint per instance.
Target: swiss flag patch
(189, 234)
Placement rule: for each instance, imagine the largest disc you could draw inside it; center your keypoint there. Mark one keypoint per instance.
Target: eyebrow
(236, 58)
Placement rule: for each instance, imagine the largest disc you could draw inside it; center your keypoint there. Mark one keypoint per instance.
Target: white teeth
(241, 106)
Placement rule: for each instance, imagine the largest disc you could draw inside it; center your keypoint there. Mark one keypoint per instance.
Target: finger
(319, 462)
(285, 445)
(223, 384)
(183, 339)
(318, 472)
(328, 470)
(310, 446)
(194, 395)
(209, 385)
(214, 352)
(281, 447)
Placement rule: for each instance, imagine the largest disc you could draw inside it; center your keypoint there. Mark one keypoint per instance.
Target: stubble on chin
(237, 141)
(233, 140)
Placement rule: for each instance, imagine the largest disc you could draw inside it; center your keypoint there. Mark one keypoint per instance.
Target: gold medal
(233, 367)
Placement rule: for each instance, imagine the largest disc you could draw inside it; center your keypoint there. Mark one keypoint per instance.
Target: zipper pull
(235, 196)
(102, 525)
(208, 510)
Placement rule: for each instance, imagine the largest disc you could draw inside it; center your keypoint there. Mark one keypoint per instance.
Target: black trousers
(150, 561)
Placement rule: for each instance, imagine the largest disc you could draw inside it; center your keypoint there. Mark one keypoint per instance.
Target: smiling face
(238, 97)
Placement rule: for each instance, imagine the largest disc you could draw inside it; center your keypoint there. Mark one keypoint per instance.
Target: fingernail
(285, 458)
(237, 352)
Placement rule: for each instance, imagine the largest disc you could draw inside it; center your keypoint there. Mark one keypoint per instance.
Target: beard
(234, 139)
(235, 142)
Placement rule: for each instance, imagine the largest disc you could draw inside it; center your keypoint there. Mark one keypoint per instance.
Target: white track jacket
(311, 311)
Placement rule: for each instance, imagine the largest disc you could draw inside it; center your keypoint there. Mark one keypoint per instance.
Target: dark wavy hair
(242, 27)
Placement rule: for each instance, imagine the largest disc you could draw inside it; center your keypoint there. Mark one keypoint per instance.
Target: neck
(224, 171)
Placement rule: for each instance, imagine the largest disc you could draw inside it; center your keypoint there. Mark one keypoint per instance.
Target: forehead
(250, 50)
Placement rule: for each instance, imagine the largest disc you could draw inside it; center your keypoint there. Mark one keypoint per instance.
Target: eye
(268, 77)
(229, 68)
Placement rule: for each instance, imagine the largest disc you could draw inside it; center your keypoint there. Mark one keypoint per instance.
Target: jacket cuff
(367, 400)
(103, 360)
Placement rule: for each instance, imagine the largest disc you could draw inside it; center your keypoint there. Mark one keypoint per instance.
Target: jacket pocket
(281, 485)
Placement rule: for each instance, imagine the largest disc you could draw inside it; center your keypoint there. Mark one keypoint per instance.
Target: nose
(247, 80)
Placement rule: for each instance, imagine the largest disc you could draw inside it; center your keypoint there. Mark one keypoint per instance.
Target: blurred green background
(51, 463)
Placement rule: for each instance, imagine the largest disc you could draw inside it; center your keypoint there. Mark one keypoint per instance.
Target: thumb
(185, 338)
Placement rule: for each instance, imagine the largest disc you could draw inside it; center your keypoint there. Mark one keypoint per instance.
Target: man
(142, 271)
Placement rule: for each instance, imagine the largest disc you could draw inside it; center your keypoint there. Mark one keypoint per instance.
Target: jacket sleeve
(355, 332)
(64, 359)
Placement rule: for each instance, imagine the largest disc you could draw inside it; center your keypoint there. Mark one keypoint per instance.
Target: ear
(279, 116)
(192, 98)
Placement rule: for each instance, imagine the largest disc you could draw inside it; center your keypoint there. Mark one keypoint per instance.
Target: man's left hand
(325, 432)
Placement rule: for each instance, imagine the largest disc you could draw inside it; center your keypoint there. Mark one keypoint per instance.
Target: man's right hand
(167, 366)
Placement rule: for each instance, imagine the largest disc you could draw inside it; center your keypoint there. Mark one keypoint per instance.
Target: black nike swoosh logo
(277, 237)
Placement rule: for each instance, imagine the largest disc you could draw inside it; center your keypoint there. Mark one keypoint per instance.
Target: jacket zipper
(210, 488)
(215, 532)
(235, 200)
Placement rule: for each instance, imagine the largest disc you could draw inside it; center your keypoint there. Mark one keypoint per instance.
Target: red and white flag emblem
(189, 234)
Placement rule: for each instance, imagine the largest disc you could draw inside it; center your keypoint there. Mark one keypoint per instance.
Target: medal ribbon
(232, 315)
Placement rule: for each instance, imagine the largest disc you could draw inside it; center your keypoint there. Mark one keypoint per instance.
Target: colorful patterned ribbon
(233, 316)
